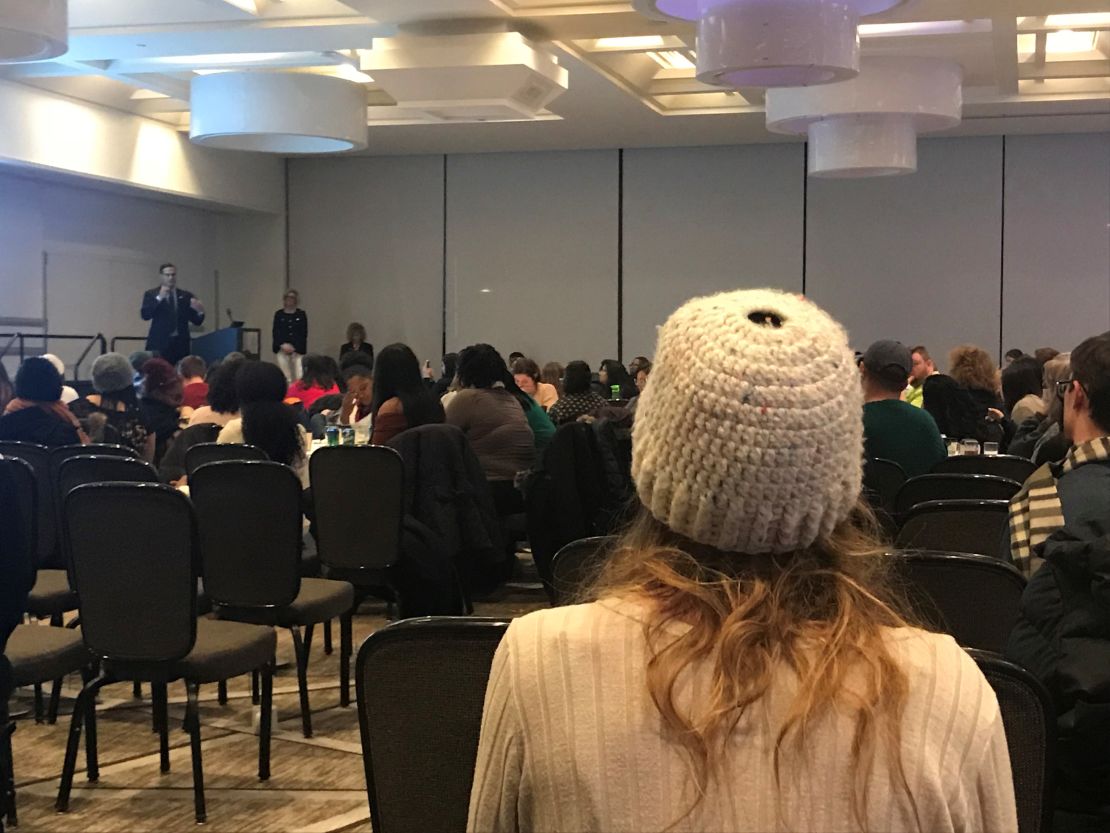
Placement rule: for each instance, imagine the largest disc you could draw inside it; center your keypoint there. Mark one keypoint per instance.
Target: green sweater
(895, 430)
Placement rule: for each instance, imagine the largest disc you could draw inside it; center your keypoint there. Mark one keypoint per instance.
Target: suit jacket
(162, 323)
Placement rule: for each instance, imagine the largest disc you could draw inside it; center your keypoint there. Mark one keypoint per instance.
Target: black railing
(22, 338)
(118, 339)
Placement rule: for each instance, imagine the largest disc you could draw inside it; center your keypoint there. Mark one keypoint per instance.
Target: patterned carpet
(317, 785)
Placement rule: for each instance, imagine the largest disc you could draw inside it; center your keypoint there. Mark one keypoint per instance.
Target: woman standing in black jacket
(290, 336)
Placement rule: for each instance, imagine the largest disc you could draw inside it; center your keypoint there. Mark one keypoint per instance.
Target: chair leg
(265, 724)
(7, 770)
(92, 754)
(192, 718)
(40, 711)
(55, 701)
(254, 688)
(221, 692)
(159, 695)
(309, 629)
(327, 638)
(85, 700)
(300, 648)
(345, 647)
(137, 690)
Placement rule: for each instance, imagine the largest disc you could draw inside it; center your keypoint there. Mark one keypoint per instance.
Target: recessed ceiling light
(671, 59)
(636, 42)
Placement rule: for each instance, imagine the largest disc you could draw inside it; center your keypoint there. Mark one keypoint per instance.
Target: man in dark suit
(170, 311)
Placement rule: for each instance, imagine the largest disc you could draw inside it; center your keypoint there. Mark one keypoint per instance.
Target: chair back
(202, 454)
(421, 686)
(133, 548)
(27, 499)
(249, 523)
(881, 481)
(1029, 719)
(974, 598)
(576, 564)
(358, 495)
(928, 487)
(62, 453)
(47, 550)
(93, 468)
(972, 526)
(1000, 465)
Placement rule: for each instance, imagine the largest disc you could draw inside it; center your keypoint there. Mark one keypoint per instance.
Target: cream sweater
(571, 742)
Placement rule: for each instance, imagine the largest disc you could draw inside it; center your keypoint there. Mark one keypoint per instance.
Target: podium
(215, 345)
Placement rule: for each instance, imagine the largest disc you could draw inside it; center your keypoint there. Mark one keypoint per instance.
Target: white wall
(919, 258)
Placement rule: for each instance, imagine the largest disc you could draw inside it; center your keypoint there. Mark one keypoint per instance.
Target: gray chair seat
(224, 650)
(39, 654)
(319, 600)
(51, 595)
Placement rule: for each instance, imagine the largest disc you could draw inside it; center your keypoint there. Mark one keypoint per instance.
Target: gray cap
(112, 372)
(883, 354)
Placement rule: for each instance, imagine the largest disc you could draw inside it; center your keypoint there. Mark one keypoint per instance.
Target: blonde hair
(750, 618)
(974, 368)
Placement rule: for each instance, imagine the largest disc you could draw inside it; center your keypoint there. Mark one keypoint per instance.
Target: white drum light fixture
(278, 112)
(868, 126)
(32, 30)
(772, 43)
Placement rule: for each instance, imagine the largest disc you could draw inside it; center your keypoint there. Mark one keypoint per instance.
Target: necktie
(173, 303)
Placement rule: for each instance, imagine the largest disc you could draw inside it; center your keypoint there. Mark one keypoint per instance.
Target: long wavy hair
(397, 374)
(974, 368)
(820, 613)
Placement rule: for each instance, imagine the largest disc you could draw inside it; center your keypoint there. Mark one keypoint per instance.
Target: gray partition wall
(531, 244)
(1056, 281)
(703, 220)
(913, 258)
(366, 244)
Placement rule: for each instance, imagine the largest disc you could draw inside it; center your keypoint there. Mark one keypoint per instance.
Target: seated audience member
(578, 397)
(526, 374)
(446, 376)
(923, 367)
(1012, 356)
(740, 667)
(612, 373)
(192, 370)
(1021, 389)
(1059, 529)
(69, 394)
(37, 414)
(950, 406)
(356, 407)
(635, 365)
(643, 370)
(160, 405)
(401, 400)
(317, 379)
(17, 572)
(973, 368)
(893, 429)
(494, 421)
(552, 374)
(112, 413)
(223, 395)
(266, 421)
(356, 341)
(543, 429)
(1042, 439)
(513, 356)
(7, 391)
(1045, 354)
(137, 360)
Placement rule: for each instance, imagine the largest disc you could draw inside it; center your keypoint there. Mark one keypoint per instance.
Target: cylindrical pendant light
(772, 43)
(869, 126)
(32, 30)
(278, 112)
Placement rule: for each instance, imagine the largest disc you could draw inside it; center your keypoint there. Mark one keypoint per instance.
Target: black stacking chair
(575, 564)
(927, 487)
(1001, 465)
(980, 527)
(421, 686)
(139, 615)
(36, 654)
(203, 453)
(358, 501)
(975, 598)
(48, 553)
(249, 517)
(1029, 719)
(94, 468)
(881, 481)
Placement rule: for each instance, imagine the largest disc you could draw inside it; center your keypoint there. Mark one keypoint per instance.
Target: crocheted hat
(111, 372)
(749, 436)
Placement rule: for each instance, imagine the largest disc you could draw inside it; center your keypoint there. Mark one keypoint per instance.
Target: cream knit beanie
(749, 434)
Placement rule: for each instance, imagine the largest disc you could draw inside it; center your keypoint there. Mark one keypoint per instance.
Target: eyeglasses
(1064, 385)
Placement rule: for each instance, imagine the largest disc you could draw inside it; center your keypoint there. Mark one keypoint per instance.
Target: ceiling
(631, 82)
